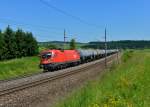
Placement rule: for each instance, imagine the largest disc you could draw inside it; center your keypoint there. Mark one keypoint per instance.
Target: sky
(124, 19)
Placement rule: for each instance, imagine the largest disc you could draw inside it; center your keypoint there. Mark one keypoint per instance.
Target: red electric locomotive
(58, 59)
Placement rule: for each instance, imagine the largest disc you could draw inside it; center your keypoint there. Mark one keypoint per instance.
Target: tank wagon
(51, 60)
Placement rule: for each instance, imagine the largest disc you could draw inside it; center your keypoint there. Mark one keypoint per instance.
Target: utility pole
(64, 38)
(117, 54)
(105, 48)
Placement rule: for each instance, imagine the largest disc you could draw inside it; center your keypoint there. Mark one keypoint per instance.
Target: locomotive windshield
(47, 55)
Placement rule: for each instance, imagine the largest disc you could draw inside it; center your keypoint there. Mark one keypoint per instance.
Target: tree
(17, 44)
(9, 44)
(1, 45)
(73, 44)
(20, 36)
(31, 44)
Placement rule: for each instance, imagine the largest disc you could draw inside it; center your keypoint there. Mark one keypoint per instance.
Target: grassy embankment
(18, 67)
(126, 85)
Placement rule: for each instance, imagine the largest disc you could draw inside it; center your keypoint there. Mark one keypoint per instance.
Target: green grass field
(19, 67)
(124, 85)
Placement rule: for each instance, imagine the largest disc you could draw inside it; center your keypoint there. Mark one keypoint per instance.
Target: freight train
(52, 60)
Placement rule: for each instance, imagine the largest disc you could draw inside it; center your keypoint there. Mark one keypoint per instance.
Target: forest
(17, 44)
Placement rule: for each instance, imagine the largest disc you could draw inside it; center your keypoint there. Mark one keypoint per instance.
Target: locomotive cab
(46, 59)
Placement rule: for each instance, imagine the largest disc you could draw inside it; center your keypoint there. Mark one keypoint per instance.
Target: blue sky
(124, 19)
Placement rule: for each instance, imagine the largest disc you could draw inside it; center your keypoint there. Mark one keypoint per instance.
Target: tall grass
(127, 85)
(18, 67)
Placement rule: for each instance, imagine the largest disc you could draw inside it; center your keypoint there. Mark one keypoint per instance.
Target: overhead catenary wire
(41, 28)
(68, 14)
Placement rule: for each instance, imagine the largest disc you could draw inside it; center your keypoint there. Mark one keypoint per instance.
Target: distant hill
(56, 42)
(60, 44)
(122, 44)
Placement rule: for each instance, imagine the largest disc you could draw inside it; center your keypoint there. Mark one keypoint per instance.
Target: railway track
(20, 87)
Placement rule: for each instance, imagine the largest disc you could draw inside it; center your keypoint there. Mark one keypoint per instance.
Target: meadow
(123, 85)
(19, 67)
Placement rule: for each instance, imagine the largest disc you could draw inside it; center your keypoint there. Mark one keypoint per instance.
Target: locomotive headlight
(53, 54)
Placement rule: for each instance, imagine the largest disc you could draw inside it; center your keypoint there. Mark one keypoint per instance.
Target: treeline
(123, 44)
(60, 44)
(16, 44)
